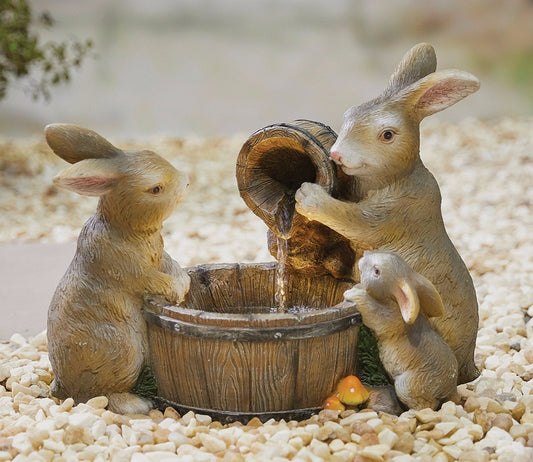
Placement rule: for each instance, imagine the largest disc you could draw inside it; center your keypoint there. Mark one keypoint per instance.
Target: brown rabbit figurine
(400, 201)
(97, 337)
(395, 303)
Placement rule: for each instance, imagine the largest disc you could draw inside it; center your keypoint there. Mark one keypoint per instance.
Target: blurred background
(214, 71)
(215, 68)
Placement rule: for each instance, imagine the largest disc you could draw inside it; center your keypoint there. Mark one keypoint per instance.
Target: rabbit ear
(407, 300)
(90, 177)
(73, 143)
(418, 62)
(438, 91)
(430, 299)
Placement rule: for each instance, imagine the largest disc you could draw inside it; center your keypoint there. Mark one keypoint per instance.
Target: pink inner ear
(443, 94)
(90, 185)
(407, 301)
(401, 298)
(403, 303)
(437, 95)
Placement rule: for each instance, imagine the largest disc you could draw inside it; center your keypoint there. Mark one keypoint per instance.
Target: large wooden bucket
(227, 353)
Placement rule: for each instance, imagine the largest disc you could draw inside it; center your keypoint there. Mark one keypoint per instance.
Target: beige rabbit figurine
(400, 206)
(97, 337)
(395, 303)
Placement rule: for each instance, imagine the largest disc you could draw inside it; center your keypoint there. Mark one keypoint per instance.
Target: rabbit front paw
(182, 284)
(357, 294)
(310, 199)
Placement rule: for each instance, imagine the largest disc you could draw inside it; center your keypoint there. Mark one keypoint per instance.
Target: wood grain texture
(271, 166)
(202, 366)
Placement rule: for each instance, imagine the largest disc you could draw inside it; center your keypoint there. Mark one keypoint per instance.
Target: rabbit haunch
(395, 303)
(399, 206)
(97, 336)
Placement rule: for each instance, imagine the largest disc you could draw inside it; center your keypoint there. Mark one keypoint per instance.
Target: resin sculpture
(97, 337)
(399, 207)
(395, 303)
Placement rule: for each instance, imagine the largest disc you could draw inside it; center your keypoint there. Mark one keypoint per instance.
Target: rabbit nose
(335, 155)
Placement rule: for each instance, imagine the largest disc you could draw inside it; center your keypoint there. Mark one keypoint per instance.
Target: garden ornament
(97, 337)
(395, 303)
(400, 205)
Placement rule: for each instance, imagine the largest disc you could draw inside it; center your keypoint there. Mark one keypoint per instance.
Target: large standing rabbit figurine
(395, 303)
(97, 337)
(400, 201)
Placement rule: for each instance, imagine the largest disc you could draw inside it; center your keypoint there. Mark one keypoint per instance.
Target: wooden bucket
(275, 161)
(271, 166)
(225, 352)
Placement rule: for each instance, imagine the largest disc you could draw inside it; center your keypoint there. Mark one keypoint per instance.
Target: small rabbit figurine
(399, 209)
(395, 303)
(97, 337)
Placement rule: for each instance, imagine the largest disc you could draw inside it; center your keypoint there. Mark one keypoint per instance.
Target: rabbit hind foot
(128, 403)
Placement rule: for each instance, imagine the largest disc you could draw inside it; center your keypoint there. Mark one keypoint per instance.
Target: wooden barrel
(275, 161)
(271, 166)
(227, 353)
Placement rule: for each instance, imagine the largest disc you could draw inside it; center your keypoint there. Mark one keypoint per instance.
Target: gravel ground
(485, 171)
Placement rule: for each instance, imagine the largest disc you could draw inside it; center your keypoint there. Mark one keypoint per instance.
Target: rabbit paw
(181, 286)
(310, 199)
(357, 294)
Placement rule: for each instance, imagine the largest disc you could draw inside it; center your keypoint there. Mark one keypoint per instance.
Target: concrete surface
(29, 274)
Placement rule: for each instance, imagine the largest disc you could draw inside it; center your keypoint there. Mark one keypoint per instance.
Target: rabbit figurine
(400, 205)
(395, 303)
(97, 337)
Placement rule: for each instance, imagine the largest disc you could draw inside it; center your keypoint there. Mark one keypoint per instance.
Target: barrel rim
(328, 170)
(250, 334)
(227, 417)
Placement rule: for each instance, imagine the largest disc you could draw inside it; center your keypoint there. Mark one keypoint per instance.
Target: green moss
(370, 370)
(146, 385)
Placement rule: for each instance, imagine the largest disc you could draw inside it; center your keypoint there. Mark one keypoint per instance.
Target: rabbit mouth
(350, 169)
(353, 169)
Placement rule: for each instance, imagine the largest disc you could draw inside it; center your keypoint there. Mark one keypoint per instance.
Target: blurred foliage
(518, 68)
(22, 53)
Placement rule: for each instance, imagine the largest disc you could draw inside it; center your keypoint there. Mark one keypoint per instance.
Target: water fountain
(265, 339)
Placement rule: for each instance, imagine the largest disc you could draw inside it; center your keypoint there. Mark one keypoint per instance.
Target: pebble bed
(485, 170)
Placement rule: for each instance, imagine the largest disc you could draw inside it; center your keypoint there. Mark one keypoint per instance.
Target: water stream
(283, 223)
(281, 274)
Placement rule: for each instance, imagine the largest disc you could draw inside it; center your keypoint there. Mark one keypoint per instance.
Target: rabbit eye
(387, 136)
(376, 270)
(156, 189)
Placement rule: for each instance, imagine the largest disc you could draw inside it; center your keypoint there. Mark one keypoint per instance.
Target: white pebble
(98, 429)
(18, 339)
(211, 443)
(22, 443)
(160, 456)
(388, 437)
(81, 419)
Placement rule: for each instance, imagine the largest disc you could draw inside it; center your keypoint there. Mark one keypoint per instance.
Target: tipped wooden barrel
(275, 161)
(271, 166)
(226, 353)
